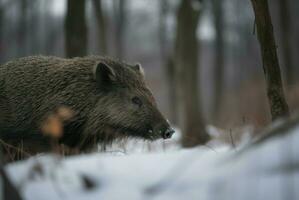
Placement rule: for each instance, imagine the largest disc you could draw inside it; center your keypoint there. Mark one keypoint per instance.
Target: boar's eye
(137, 101)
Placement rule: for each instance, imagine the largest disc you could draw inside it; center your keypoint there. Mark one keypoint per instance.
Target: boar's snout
(163, 131)
(168, 133)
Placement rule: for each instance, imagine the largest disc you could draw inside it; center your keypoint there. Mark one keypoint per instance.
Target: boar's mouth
(122, 131)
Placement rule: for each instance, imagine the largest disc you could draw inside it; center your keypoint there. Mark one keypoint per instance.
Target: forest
(223, 76)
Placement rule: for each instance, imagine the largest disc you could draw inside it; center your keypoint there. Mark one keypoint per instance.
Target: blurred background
(201, 57)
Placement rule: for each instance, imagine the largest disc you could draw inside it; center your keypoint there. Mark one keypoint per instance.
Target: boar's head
(124, 106)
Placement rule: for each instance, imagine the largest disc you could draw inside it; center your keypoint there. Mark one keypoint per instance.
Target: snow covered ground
(269, 170)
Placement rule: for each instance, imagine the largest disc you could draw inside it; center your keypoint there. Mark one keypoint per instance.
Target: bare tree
(75, 29)
(285, 22)
(186, 66)
(278, 105)
(120, 12)
(217, 7)
(99, 12)
(172, 92)
(162, 29)
(1, 31)
(53, 32)
(33, 27)
(167, 60)
(22, 28)
(8, 190)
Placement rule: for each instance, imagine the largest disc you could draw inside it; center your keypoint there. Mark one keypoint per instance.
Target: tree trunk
(101, 26)
(186, 66)
(75, 29)
(1, 33)
(22, 29)
(120, 9)
(285, 22)
(170, 75)
(167, 61)
(7, 189)
(162, 30)
(33, 28)
(219, 56)
(278, 105)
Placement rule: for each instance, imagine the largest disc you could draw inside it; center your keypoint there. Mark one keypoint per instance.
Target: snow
(139, 146)
(263, 171)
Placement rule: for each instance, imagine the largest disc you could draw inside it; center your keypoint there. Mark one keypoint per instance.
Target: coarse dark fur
(99, 90)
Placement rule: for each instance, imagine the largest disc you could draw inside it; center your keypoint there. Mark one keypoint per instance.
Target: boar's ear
(139, 68)
(103, 74)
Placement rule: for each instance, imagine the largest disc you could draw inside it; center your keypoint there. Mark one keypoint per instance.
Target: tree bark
(186, 66)
(278, 105)
(285, 22)
(101, 26)
(219, 56)
(75, 29)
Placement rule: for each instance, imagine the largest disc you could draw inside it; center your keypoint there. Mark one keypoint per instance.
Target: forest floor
(267, 170)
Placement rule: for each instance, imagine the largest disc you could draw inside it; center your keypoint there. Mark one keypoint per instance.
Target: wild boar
(109, 98)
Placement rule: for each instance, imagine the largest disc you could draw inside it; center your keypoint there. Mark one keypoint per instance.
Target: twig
(254, 26)
(15, 148)
(211, 148)
(232, 139)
